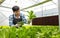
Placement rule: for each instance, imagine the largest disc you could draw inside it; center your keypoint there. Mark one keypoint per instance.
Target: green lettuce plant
(31, 16)
(20, 24)
(32, 32)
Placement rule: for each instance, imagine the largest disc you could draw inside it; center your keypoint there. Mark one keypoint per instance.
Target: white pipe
(59, 12)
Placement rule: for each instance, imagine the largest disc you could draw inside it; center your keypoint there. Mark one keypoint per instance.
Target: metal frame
(59, 12)
(1, 1)
(30, 6)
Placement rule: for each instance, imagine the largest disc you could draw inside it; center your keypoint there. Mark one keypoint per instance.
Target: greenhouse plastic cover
(47, 9)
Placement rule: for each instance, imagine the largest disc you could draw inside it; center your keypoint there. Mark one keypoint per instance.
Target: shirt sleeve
(24, 19)
(10, 20)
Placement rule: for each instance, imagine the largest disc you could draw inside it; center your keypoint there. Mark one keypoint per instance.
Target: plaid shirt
(11, 19)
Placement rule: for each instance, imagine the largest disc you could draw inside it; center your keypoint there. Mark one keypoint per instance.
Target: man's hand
(16, 25)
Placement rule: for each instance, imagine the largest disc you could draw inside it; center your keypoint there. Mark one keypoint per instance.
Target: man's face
(17, 13)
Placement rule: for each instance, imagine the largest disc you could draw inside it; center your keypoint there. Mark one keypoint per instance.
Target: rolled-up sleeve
(10, 20)
(24, 19)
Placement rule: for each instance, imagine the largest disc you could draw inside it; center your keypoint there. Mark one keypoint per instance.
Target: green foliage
(31, 15)
(12, 32)
(20, 23)
(32, 32)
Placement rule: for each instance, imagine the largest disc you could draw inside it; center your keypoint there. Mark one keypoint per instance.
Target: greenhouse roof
(38, 6)
(27, 5)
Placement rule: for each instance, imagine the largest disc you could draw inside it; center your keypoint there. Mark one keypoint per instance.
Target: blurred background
(49, 8)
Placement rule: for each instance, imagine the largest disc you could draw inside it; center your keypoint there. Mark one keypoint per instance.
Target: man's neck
(17, 16)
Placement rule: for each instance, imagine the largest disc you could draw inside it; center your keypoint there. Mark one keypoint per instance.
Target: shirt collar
(15, 16)
(19, 16)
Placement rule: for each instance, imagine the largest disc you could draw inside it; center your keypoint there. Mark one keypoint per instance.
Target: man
(16, 16)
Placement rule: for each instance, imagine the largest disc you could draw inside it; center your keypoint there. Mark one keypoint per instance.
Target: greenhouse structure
(42, 19)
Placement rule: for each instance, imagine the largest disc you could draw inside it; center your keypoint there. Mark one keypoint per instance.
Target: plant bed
(30, 32)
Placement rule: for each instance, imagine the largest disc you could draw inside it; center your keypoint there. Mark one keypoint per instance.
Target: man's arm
(24, 19)
(10, 20)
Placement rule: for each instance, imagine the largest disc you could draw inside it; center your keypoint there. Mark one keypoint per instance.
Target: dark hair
(15, 8)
